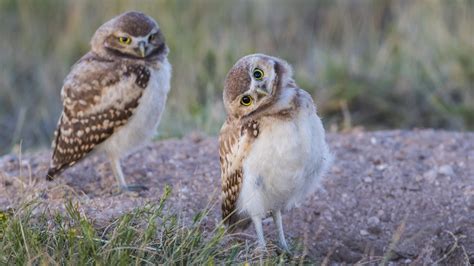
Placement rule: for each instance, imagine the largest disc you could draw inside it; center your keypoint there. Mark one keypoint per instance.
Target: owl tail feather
(235, 222)
(53, 171)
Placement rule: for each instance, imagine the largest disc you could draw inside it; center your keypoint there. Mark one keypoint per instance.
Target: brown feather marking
(83, 138)
(237, 82)
(135, 23)
(234, 141)
(84, 123)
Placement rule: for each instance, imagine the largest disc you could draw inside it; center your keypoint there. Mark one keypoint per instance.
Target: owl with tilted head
(114, 96)
(273, 151)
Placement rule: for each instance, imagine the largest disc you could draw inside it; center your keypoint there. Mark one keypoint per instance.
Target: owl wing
(234, 144)
(99, 96)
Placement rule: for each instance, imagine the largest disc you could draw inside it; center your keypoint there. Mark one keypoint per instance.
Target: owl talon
(261, 252)
(133, 188)
(284, 250)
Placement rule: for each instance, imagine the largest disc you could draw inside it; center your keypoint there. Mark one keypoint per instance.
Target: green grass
(372, 63)
(34, 235)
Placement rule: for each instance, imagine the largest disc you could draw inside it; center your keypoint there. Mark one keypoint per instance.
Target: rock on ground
(406, 196)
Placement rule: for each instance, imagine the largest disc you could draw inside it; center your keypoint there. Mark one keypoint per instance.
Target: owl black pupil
(257, 74)
(246, 100)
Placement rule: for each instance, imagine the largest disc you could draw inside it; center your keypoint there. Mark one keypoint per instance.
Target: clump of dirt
(400, 196)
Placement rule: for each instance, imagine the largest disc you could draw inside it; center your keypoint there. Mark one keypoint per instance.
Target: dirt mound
(403, 196)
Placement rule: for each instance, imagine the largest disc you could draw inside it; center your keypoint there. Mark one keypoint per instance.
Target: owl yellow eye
(246, 100)
(258, 74)
(125, 40)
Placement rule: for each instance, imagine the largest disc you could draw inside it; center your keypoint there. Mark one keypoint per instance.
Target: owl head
(254, 83)
(131, 35)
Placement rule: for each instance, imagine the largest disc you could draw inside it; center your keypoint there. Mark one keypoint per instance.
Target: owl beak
(141, 48)
(261, 92)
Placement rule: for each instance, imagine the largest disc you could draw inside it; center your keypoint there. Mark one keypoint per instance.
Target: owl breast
(285, 163)
(143, 123)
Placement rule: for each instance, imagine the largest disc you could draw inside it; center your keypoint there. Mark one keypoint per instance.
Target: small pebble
(374, 225)
(367, 179)
(363, 232)
(446, 170)
(373, 221)
(430, 175)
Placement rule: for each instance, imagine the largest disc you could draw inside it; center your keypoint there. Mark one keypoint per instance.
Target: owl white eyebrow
(143, 38)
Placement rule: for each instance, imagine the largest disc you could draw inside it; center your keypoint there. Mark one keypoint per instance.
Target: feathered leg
(117, 170)
(257, 221)
(281, 233)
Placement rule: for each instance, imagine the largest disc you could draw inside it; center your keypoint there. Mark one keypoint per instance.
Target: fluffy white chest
(284, 165)
(142, 125)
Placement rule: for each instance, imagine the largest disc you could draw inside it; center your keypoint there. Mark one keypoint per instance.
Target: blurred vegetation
(370, 63)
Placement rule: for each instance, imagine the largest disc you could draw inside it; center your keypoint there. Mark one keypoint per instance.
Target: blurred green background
(375, 64)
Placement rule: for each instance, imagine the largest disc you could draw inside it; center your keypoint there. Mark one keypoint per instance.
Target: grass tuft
(152, 234)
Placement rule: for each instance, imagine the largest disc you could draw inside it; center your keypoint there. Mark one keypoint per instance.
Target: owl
(273, 152)
(114, 96)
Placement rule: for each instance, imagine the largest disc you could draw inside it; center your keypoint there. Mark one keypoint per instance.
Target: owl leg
(257, 221)
(281, 233)
(117, 170)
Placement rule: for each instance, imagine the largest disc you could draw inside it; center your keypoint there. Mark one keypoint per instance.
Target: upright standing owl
(114, 95)
(273, 151)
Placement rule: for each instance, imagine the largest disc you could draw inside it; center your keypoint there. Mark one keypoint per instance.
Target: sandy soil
(405, 195)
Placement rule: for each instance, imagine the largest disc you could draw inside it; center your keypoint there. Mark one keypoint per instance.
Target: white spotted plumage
(114, 96)
(142, 125)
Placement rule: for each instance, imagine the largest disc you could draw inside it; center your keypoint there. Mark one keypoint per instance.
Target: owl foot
(284, 250)
(133, 188)
(261, 252)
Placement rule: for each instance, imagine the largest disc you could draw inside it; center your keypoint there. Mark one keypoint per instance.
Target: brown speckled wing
(234, 144)
(99, 96)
